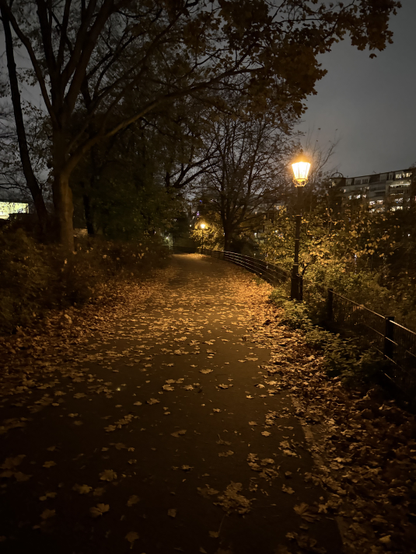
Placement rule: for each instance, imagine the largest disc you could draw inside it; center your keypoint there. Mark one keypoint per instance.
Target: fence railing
(396, 342)
(269, 272)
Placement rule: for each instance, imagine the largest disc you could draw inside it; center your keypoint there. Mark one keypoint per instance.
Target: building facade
(393, 190)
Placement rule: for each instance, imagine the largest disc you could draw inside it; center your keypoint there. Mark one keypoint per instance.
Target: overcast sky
(370, 104)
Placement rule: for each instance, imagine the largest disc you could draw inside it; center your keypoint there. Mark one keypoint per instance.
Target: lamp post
(300, 177)
(202, 227)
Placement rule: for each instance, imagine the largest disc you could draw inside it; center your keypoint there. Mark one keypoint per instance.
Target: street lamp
(300, 169)
(202, 227)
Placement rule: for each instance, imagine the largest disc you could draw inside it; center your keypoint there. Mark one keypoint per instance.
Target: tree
(29, 174)
(245, 171)
(120, 187)
(102, 50)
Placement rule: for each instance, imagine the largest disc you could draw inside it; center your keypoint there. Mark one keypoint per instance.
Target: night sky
(369, 104)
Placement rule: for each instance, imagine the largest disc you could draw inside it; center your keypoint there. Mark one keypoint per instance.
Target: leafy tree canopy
(94, 52)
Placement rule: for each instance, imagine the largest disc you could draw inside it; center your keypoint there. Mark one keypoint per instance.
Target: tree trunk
(30, 177)
(64, 210)
(62, 194)
(227, 239)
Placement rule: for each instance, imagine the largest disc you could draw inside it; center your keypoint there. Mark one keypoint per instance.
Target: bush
(35, 278)
(351, 359)
(24, 280)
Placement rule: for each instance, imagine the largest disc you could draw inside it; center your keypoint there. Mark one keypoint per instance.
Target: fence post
(388, 337)
(330, 304)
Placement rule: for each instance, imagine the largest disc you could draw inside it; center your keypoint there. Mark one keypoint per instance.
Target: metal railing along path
(267, 271)
(396, 342)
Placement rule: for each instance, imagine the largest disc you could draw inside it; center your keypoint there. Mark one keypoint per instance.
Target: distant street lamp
(202, 227)
(300, 177)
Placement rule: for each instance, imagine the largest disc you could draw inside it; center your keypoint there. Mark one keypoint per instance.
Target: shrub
(351, 359)
(24, 280)
(35, 278)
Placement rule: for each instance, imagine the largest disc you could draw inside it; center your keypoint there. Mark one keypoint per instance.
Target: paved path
(161, 433)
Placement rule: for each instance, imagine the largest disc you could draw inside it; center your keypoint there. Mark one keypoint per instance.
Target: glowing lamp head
(202, 226)
(301, 169)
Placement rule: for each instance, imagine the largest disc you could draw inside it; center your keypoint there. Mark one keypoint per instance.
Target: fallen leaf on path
(304, 510)
(132, 500)
(131, 537)
(178, 434)
(221, 441)
(108, 475)
(10, 463)
(172, 512)
(225, 454)
(99, 510)
(232, 501)
(46, 514)
(153, 401)
(82, 489)
(47, 495)
(207, 491)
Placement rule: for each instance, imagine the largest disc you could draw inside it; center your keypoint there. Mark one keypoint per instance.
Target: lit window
(8, 208)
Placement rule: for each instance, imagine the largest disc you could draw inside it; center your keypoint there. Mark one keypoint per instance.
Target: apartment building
(380, 191)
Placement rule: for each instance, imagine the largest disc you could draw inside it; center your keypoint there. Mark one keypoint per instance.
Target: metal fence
(271, 273)
(397, 343)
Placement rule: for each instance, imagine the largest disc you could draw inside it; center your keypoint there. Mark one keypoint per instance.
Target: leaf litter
(365, 451)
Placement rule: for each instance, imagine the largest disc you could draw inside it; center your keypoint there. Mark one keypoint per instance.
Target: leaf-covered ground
(184, 418)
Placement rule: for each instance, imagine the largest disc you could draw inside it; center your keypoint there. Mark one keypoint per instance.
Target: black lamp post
(202, 226)
(300, 178)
